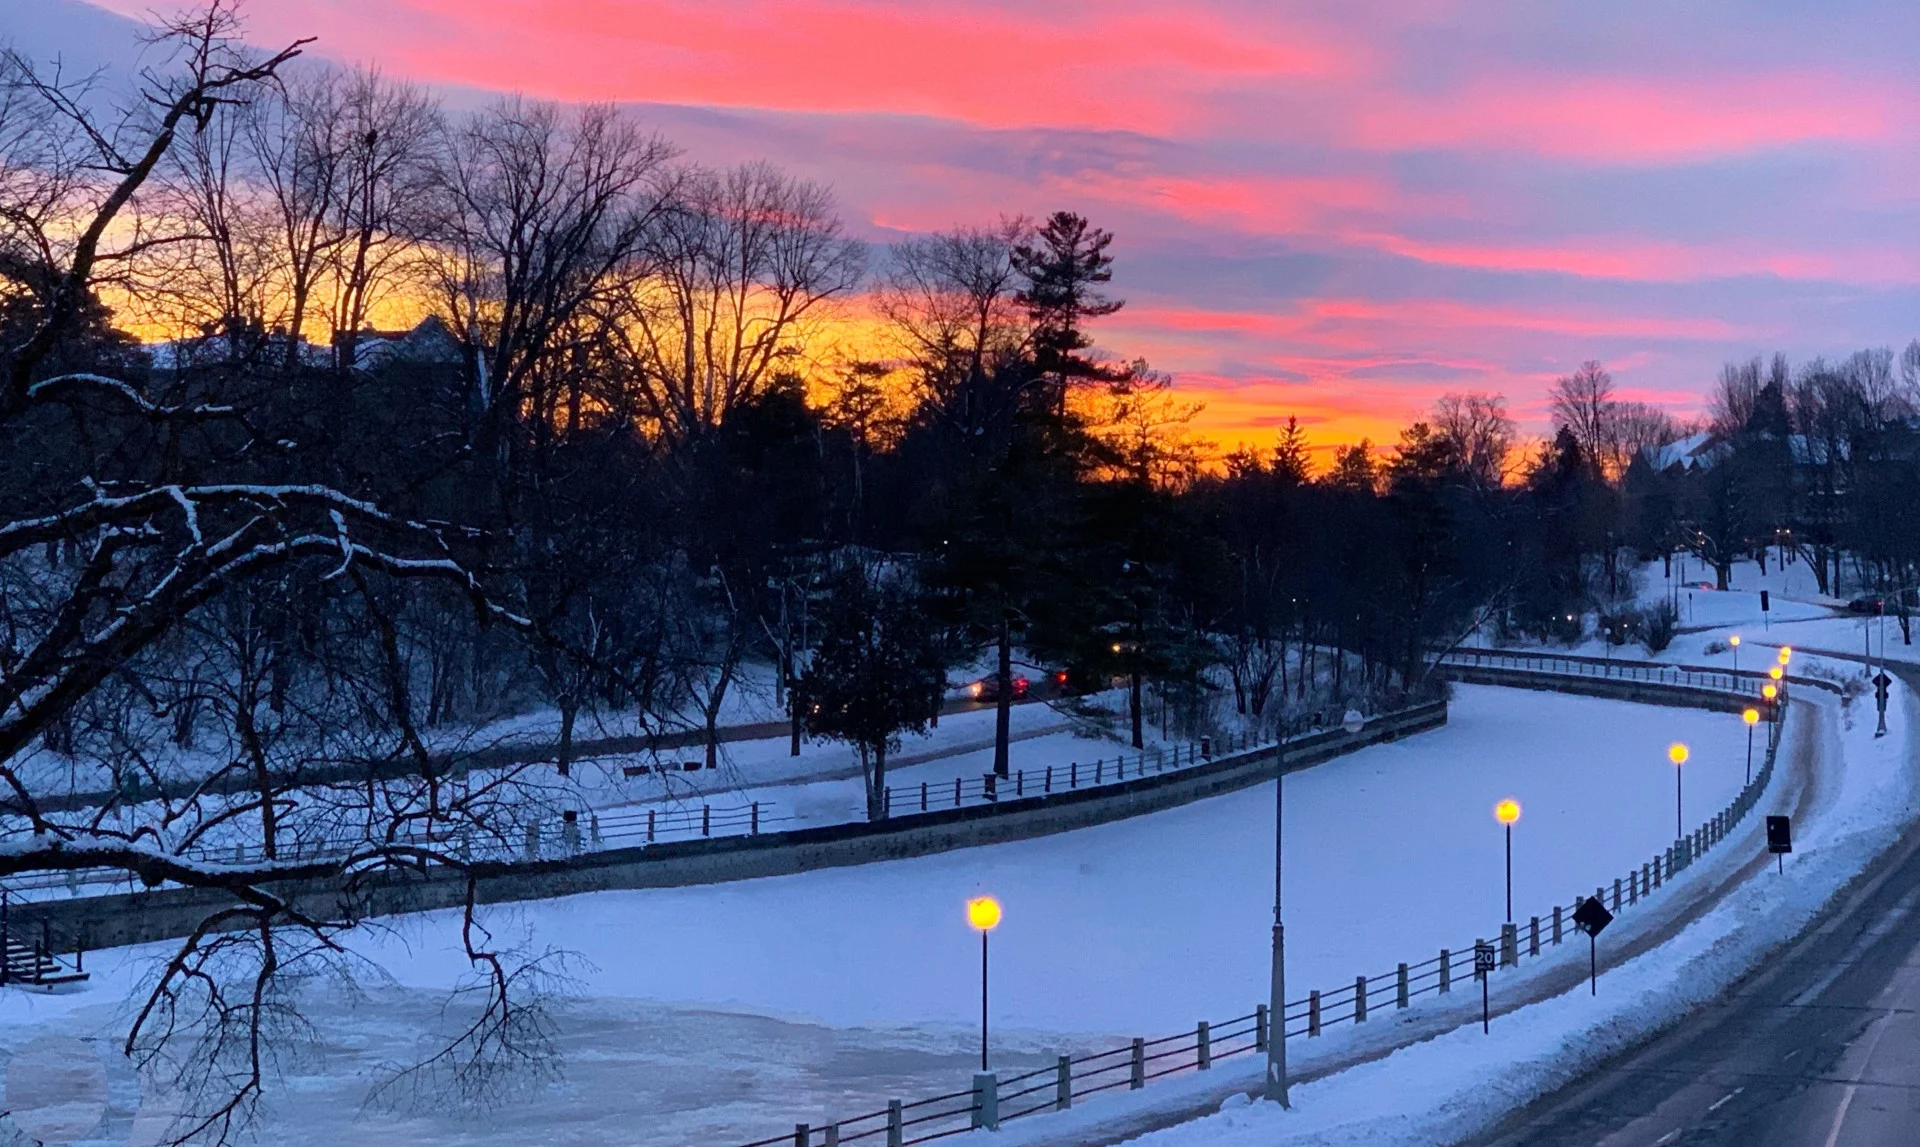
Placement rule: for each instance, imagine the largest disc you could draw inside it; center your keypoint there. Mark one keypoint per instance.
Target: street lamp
(1786, 654)
(1677, 753)
(1752, 718)
(983, 913)
(1277, 980)
(1506, 812)
(1734, 641)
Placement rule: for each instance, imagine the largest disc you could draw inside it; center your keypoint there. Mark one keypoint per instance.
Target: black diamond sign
(1591, 916)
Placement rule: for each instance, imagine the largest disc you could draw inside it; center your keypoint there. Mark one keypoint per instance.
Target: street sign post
(1780, 838)
(1590, 916)
(1765, 605)
(1483, 969)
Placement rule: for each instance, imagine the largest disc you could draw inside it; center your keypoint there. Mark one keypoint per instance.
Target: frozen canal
(727, 1012)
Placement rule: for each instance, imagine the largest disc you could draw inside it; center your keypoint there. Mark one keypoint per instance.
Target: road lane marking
(1846, 1098)
(1667, 1138)
(1724, 1100)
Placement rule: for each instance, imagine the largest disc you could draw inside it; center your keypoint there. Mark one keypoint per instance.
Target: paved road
(1820, 1048)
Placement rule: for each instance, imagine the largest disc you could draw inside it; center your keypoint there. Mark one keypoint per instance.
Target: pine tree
(1063, 270)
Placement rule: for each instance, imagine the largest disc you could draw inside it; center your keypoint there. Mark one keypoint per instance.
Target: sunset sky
(1337, 211)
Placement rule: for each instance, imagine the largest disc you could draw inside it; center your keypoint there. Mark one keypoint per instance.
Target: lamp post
(1752, 718)
(1677, 753)
(1352, 723)
(1734, 641)
(983, 913)
(1506, 812)
(1277, 982)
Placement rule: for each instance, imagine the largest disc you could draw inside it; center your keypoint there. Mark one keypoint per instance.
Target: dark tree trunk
(1003, 708)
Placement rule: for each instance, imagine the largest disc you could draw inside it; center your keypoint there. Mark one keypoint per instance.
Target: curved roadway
(1819, 1048)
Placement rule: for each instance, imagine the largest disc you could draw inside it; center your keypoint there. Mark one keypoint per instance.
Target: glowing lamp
(1734, 641)
(983, 913)
(1786, 654)
(1769, 692)
(1775, 673)
(1507, 811)
(1751, 716)
(1677, 753)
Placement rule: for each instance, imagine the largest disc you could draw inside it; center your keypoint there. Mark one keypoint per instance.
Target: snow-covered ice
(733, 1010)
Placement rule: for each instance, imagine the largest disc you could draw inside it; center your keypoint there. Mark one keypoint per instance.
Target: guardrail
(1198, 1049)
(570, 835)
(1713, 679)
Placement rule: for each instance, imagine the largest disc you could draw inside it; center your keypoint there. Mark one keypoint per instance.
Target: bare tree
(951, 302)
(142, 527)
(542, 215)
(1582, 402)
(739, 266)
(1478, 432)
(383, 205)
(294, 144)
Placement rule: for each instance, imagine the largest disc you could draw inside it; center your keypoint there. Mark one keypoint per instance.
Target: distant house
(1695, 453)
(429, 343)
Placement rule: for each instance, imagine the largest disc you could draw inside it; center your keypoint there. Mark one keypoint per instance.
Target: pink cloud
(1602, 119)
(1135, 67)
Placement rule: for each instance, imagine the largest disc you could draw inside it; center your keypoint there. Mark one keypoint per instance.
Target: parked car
(1867, 603)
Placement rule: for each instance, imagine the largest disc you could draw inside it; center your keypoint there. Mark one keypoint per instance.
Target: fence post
(1556, 923)
(1260, 1036)
(956, 792)
(923, 796)
(1359, 999)
(887, 808)
(1616, 894)
(986, 1100)
(1656, 871)
(1533, 937)
(706, 819)
(1073, 775)
(1446, 971)
(1400, 996)
(1049, 781)
(802, 1135)
(1633, 887)
(830, 1135)
(1202, 1047)
(650, 813)
(1099, 771)
(1063, 1083)
(1020, 783)
(1313, 1012)
(1509, 945)
(593, 827)
(1138, 1078)
(896, 1126)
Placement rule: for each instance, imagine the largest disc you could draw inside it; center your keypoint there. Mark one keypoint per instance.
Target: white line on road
(1724, 1100)
(1667, 1138)
(1846, 1099)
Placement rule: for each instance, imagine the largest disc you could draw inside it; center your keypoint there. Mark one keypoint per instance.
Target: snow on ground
(1448, 1088)
(727, 1012)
